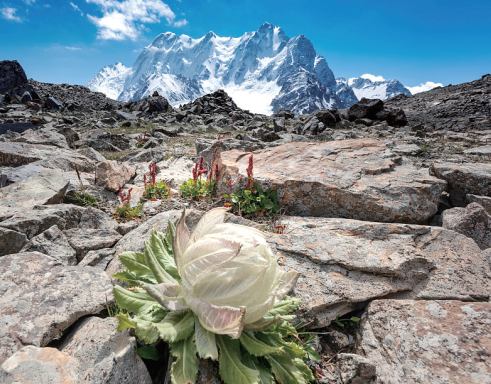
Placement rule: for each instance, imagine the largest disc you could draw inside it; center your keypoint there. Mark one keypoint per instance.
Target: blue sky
(414, 41)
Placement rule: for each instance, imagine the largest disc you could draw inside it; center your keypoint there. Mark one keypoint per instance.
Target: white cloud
(372, 77)
(29, 2)
(9, 14)
(47, 5)
(181, 23)
(73, 48)
(125, 19)
(424, 87)
(75, 7)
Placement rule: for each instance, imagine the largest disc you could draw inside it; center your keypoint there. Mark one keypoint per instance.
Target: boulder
(43, 137)
(52, 103)
(13, 79)
(54, 243)
(345, 263)
(104, 354)
(407, 150)
(92, 154)
(111, 175)
(472, 221)
(484, 150)
(464, 179)
(413, 342)
(355, 369)
(34, 365)
(483, 201)
(41, 298)
(84, 240)
(358, 179)
(365, 108)
(98, 259)
(47, 187)
(11, 241)
(93, 353)
(17, 154)
(16, 127)
(175, 171)
(23, 172)
(279, 124)
(32, 222)
(93, 218)
(206, 148)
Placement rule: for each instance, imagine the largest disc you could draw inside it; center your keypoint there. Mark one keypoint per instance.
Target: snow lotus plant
(217, 293)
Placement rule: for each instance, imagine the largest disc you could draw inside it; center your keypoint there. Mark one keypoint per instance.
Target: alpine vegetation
(217, 293)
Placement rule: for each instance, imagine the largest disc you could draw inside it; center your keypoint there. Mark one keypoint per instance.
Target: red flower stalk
(201, 163)
(153, 174)
(196, 173)
(250, 175)
(145, 180)
(125, 200)
(216, 171)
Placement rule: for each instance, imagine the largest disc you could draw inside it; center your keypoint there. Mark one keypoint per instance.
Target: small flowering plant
(217, 293)
(125, 211)
(198, 189)
(154, 190)
(141, 140)
(252, 199)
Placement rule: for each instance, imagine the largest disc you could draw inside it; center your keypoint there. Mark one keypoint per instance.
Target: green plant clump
(154, 190)
(253, 199)
(217, 293)
(198, 189)
(126, 211)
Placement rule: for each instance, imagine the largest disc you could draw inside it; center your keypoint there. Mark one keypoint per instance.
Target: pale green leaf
(149, 353)
(285, 371)
(185, 368)
(284, 307)
(262, 324)
(135, 262)
(176, 326)
(170, 234)
(181, 240)
(132, 301)
(274, 338)
(146, 330)
(302, 367)
(265, 375)
(205, 342)
(151, 250)
(289, 280)
(124, 322)
(165, 259)
(134, 280)
(209, 220)
(167, 295)
(258, 347)
(231, 369)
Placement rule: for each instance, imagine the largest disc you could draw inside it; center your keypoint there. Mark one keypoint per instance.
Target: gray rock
(34, 365)
(337, 340)
(355, 369)
(127, 227)
(43, 137)
(407, 150)
(35, 221)
(440, 341)
(16, 127)
(365, 108)
(23, 172)
(484, 150)
(41, 298)
(472, 221)
(84, 240)
(52, 242)
(47, 187)
(111, 175)
(105, 355)
(345, 263)
(93, 218)
(99, 258)
(483, 201)
(11, 241)
(92, 154)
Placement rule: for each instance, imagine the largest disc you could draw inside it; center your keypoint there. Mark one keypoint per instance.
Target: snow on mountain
(263, 71)
(110, 80)
(423, 87)
(256, 69)
(374, 87)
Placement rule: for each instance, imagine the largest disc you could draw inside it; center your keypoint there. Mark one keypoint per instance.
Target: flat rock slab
(356, 179)
(47, 187)
(44, 137)
(345, 263)
(485, 150)
(39, 298)
(483, 201)
(32, 222)
(17, 154)
(428, 341)
(464, 178)
(84, 240)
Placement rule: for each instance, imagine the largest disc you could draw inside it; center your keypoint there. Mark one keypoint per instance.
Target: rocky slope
(379, 208)
(263, 71)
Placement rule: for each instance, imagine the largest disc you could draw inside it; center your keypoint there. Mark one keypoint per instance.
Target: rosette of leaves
(217, 293)
(155, 191)
(255, 200)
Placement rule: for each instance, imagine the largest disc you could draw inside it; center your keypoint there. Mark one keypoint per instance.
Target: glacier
(263, 71)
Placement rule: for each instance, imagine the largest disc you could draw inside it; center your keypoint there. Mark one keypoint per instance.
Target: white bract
(230, 277)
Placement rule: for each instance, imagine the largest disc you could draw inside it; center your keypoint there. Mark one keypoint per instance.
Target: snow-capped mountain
(263, 71)
(110, 80)
(373, 87)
